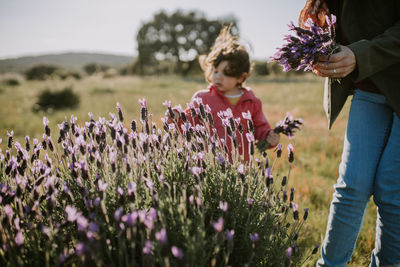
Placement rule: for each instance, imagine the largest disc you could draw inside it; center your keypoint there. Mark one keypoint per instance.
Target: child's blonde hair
(226, 47)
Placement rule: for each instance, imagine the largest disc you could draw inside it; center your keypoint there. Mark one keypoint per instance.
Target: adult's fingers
(334, 73)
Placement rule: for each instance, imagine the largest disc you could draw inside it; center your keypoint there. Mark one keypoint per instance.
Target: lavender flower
(290, 149)
(162, 236)
(177, 252)
(72, 213)
(218, 225)
(230, 234)
(288, 125)
(303, 50)
(254, 237)
(80, 248)
(148, 246)
(19, 239)
(250, 137)
(46, 126)
(223, 205)
(121, 117)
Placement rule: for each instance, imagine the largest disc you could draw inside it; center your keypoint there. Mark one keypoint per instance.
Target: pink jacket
(218, 102)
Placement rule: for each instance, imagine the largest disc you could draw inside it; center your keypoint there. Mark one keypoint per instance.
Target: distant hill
(69, 61)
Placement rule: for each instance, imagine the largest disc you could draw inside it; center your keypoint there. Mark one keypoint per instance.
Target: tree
(178, 38)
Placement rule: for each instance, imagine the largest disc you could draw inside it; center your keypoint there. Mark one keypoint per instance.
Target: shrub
(260, 68)
(93, 68)
(65, 98)
(11, 79)
(146, 196)
(12, 82)
(41, 72)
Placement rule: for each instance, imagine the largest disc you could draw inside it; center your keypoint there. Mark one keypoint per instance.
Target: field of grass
(317, 150)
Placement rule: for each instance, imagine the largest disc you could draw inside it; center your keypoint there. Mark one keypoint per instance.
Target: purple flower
(46, 230)
(72, 213)
(19, 239)
(250, 137)
(221, 159)
(268, 173)
(102, 186)
(118, 106)
(167, 104)
(240, 169)
(143, 102)
(46, 126)
(250, 201)
(82, 223)
(80, 248)
(302, 51)
(196, 171)
(230, 234)
(96, 201)
(93, 227)
(118, 213)
(223, 205)
(218, 225)
(198, 100)
(177, 252)
(148, 246)
(161, 236)
(130, 218)
(149, 184)
(289, 252)
(246, 115)
(254, 237)
(290, 149)
(8, 211)
(198, 201)
(191, 199)
(288, 126)
(295, 206)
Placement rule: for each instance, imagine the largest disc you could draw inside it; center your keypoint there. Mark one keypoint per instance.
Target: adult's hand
(339, 64)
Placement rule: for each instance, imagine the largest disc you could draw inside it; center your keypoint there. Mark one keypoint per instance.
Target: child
(226, 68)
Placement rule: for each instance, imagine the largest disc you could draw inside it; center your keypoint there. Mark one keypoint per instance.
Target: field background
(317, 150)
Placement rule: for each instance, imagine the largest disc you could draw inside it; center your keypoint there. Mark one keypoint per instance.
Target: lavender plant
(107, 195)
(302, 50)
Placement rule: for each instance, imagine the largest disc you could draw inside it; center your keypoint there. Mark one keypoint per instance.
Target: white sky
(30, 27)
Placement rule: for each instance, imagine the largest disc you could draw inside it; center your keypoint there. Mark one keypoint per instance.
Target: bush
(11, 79)
(63, 75)
(12, 82)
(148, 196)
(93, 68)
(65, 98)
(260, 68)
(41, 72)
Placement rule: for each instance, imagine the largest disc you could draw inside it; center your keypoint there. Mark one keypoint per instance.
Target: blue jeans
(370, 166)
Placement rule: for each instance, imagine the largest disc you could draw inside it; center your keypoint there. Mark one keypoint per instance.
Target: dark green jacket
(372, 28)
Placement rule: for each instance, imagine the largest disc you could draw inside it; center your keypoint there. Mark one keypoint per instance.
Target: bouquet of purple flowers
(287, 126)
(303, 50)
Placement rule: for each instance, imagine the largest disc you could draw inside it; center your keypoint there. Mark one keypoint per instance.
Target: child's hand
(273, 138)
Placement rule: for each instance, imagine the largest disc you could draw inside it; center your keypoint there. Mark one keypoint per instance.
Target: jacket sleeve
(261, 125)
(375, 55)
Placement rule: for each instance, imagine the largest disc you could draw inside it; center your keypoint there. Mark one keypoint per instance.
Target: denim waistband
(368, 96)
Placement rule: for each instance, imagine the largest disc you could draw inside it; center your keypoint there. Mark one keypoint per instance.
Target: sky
(36, 27)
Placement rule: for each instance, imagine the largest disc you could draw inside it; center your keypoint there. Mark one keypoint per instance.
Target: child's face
(226, 84)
